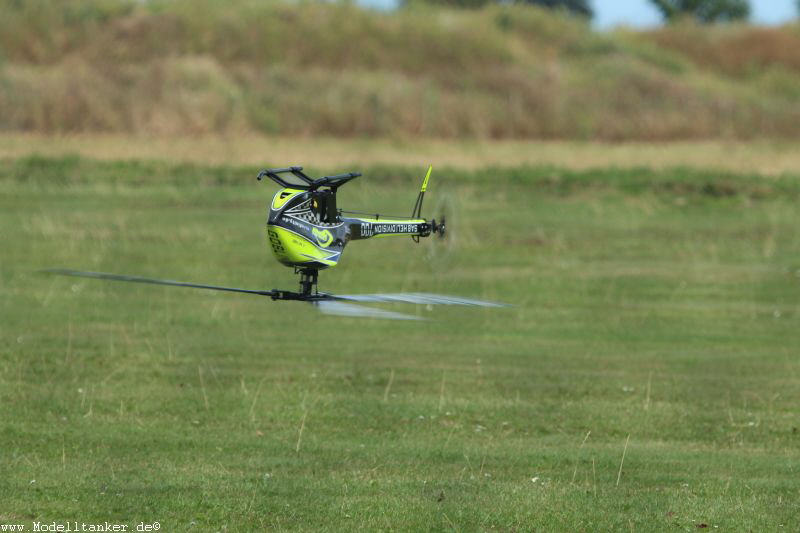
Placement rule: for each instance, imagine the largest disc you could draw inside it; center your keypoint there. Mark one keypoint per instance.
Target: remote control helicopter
(308, 232)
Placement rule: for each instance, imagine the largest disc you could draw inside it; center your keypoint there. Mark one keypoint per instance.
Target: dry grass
(768, 158)
(504, 72)
(739, 51)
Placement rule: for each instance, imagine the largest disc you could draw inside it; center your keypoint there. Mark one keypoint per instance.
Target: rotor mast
(308, 281)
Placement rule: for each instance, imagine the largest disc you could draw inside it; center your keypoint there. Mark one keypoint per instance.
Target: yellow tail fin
(427, 176)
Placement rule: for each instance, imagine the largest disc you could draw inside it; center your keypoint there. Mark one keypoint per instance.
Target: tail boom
(361, 228)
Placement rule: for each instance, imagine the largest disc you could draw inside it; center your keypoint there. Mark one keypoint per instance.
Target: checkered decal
(303, 212)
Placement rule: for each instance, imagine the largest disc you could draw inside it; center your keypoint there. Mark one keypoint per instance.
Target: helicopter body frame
(307, 231)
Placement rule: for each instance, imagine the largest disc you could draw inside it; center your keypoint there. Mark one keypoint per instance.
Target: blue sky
(610, 13)
(638, 13)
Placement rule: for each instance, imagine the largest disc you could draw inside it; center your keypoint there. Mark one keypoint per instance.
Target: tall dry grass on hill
(734, 51)
(198, 67)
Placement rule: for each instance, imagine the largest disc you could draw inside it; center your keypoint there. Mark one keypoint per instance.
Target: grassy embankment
(189, 67)
(656, 316)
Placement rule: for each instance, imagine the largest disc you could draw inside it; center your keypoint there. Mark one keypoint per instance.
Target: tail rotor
(439, 228)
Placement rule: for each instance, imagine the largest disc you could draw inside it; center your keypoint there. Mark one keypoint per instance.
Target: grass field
(646, 379)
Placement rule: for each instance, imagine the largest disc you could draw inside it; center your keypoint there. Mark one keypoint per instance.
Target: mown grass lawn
(656, 317)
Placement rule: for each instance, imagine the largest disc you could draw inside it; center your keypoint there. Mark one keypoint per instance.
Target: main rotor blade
(137, 279)
(418, 298)
(332, 307)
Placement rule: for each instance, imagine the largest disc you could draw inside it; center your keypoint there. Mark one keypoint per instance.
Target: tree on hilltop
(704, 11)
(577, 7)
